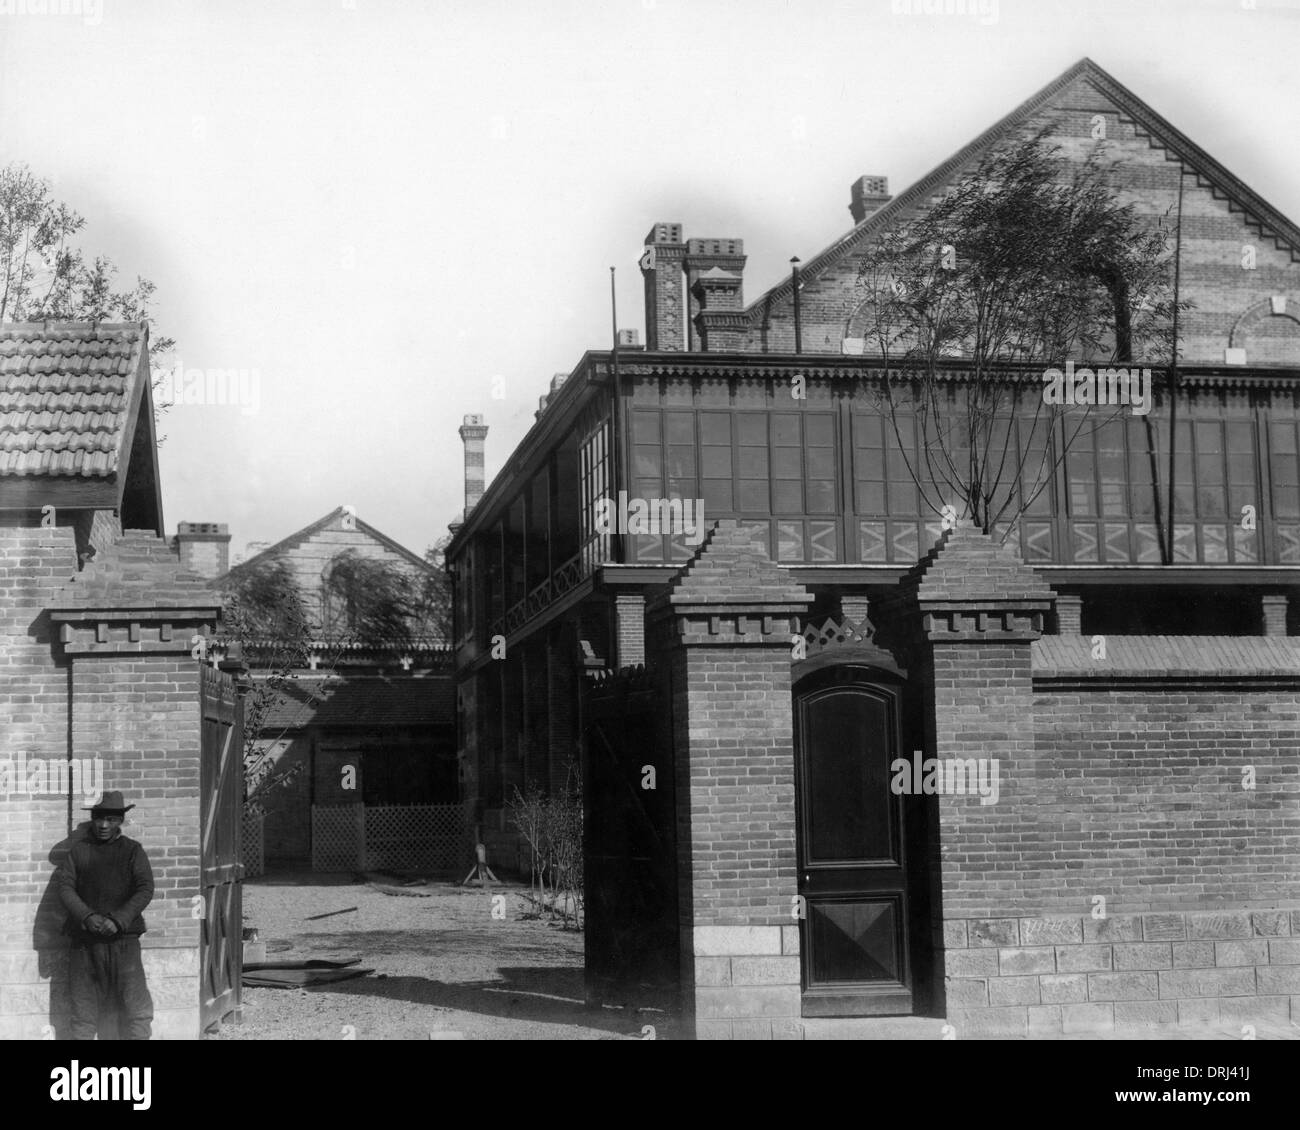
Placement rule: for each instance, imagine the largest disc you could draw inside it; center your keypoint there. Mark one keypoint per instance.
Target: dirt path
(444, 968)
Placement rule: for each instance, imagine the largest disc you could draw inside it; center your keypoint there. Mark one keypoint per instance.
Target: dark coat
(113, 879)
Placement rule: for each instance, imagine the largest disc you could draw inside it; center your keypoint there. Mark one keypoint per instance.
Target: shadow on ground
(523, 993)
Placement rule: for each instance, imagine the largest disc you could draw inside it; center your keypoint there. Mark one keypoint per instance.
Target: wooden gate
(221, 797)
(630, 874)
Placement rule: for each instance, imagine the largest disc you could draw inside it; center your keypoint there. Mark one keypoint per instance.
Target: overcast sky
(378, 206)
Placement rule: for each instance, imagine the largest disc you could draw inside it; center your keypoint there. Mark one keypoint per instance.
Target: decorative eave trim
(133, 631)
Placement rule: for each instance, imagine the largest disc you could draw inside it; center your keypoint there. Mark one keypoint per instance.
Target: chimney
(715, 274)
(629, 339)
(204, 547)
(869, 195)
(472, 433)
(661, 267)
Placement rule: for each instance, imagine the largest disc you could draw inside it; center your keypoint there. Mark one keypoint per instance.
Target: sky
(380, 212)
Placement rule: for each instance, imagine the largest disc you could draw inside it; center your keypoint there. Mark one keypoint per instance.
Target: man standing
(105, 883)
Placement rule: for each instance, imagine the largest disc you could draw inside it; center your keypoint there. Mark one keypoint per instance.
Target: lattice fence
(252, 844)
(338, 834)
(414, 837)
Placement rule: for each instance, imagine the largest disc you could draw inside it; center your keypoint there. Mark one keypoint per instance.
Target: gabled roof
(72, 429)
(286, 545)
(1161, 133)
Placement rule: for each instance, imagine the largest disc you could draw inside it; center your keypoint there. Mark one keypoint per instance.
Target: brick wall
(135, 710)
(1124, 877)
(1213, 238)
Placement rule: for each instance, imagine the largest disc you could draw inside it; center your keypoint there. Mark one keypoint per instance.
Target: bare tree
(1028, 261)
(44, 276)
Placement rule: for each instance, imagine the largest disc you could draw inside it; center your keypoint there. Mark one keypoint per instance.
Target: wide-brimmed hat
(112, 803)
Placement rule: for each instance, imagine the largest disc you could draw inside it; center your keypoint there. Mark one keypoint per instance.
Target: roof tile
(65, 391)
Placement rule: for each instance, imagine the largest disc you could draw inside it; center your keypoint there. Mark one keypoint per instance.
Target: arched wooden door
(852, 844)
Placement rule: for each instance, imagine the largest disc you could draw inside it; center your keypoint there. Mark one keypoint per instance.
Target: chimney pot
(868, 195)
(204, 547)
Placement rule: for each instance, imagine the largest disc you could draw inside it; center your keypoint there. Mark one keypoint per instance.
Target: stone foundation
(1027, 976)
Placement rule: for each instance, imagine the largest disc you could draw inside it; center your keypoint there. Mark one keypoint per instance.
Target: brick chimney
(661, 267)
(204, 547)
(869, 195)
(714, 272)
(472, 433)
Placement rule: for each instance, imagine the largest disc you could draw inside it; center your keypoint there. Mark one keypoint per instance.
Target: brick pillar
(1069, 614)
(629, 629)
(125, 629)
(1275, 610)
(665, 287)
(724, 628)
(974, 610)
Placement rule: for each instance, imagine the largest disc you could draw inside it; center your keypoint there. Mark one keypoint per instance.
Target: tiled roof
(66, 394)
(363, 701)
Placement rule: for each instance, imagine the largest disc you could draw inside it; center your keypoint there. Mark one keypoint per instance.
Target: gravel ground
(443, 967)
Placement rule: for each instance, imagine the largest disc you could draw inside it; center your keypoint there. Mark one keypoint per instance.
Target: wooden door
(221, 799)
(852, 846)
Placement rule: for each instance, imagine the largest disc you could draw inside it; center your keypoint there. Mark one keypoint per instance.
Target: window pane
(817, 430)
(645, 427)
(649, 460)
(787, 463)
(785, 430)
(787, 496)
(681, 462)
(717, 462)
(715, 427)
(821, 463)
(871, 498)
(753, 462)
(754, 495)
(821, 496)
(680, 427)
(902, 498)
(867, 431)
(751, 427)
(717, 496)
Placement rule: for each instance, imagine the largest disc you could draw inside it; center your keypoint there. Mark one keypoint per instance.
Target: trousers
(108, 983)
